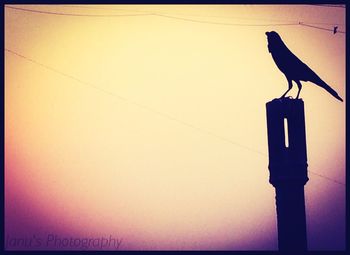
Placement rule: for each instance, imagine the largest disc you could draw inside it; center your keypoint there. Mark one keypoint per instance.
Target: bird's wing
(298, 70)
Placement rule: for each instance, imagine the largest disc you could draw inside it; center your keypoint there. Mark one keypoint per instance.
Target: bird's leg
(299, 87)
(290, 85)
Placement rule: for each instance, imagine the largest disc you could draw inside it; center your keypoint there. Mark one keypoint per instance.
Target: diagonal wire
(74, 14)
(169, 13)
(228, 24)
(149, 14)
(168, 116)
(175, 17)
(327, 29)
(327, 178)
(65, 74)
(187, 14)
(329, 5)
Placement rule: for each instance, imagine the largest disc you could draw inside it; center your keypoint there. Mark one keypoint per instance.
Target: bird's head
(273, 38)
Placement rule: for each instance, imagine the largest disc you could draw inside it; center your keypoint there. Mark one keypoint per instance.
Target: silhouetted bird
(292, 67)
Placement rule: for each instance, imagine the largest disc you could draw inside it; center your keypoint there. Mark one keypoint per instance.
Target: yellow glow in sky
(153, 129)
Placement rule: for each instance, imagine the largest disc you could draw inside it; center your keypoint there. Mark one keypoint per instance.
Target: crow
(292, 67)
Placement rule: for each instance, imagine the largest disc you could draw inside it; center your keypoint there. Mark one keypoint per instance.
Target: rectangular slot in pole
(286, 134)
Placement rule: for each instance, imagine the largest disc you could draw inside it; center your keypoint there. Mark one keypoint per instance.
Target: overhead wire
(329, 5)
(327, 29)
(227, 24)
(64, 74)
(170, 15)
(176, 13)
(168, 116)
(74, 14)
(148, 14)
(327, 178)
(178, 18)
(132, 102)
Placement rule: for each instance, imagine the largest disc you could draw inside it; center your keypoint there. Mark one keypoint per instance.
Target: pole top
(285, 102)
(286, 122)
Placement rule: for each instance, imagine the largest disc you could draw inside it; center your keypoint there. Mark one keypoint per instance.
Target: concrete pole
(288, 170)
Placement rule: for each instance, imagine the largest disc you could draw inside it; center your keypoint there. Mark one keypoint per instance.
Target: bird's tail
(324, 85)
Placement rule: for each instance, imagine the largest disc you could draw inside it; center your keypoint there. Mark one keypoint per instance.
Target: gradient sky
(152, 128)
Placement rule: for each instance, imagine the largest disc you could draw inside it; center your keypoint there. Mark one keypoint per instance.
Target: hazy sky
(148, 123)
